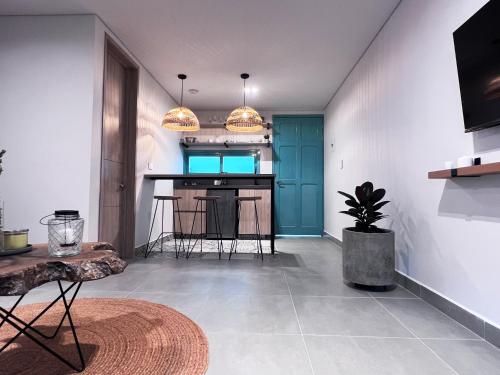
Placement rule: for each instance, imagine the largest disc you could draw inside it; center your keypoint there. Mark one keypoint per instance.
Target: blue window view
(204, 164)
(238, 164)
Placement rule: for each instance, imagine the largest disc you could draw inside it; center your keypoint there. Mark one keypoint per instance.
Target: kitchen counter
(242, 184)
(218, 176)
(222, 187)
(217, 181)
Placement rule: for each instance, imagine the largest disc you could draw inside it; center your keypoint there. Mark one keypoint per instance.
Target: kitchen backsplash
(219, 135)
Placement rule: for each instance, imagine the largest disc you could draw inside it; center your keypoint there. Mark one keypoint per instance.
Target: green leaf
(367, 188)
(353, 214)
(352, 203)
(371, 220)
(377, 195)
(358, 213)
(349, 196)
(360, 194)
(379, 205)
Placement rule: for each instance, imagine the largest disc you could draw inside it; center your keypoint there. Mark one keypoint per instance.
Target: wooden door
(298, 164)
(117, 198)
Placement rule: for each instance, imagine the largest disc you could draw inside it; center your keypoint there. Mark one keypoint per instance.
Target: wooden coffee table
(21, 273)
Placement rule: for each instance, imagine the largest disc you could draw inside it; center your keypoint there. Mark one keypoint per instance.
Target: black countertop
(222, 187)
(209, 176)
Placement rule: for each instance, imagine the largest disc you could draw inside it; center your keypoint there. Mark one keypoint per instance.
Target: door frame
(131, 92)
(275, 160)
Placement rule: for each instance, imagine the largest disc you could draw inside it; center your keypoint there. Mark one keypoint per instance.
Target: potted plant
(367, 251)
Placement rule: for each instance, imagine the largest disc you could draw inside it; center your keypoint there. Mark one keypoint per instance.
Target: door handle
(280, 184)
(122, 186)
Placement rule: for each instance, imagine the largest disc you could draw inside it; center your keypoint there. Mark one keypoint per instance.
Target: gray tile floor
(293, 314)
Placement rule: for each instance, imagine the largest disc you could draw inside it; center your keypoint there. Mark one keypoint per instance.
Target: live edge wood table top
(21, 273)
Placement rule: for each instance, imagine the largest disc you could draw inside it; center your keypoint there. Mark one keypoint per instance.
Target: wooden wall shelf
(474, 171)
(265, 125)
(224, 144)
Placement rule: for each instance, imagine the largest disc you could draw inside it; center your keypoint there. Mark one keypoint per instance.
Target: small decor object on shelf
(65, 230)
(368, 252)
(465, 161)
(449, 164)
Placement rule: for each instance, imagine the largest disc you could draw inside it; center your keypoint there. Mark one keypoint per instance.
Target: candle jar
(65, 229)
(15, 239)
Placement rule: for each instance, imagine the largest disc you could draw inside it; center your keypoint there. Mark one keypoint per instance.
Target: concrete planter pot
(368, 258)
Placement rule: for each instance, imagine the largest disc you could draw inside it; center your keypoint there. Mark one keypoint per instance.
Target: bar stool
(175, 203)
(258, 237)
(203, 231)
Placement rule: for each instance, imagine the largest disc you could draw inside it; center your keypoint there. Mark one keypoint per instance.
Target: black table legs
(7, 316)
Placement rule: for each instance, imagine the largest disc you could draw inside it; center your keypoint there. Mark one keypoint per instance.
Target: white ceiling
(297, 51)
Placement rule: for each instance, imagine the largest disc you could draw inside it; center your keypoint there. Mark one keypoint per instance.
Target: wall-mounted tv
(477, 50)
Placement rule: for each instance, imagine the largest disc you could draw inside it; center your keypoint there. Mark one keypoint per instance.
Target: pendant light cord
(244, 92)
(182, 90)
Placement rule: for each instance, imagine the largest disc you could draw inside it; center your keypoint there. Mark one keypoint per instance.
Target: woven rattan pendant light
(244, 119)
(181, 118)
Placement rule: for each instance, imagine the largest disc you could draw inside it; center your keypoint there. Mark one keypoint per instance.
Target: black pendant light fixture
(181, 118)
(244, 119)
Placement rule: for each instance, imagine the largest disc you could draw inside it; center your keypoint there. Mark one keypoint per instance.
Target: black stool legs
(180, 227)
(175, 202)
(234, 241)
(258, 237)
(192, 228)
(257, 232)
(203, 232)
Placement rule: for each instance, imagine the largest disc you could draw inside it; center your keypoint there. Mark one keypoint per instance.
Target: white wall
(46, 98)
(157, 147)
(399, 116)
(51, 80)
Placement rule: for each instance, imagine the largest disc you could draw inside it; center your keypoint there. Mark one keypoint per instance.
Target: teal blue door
(298, 164)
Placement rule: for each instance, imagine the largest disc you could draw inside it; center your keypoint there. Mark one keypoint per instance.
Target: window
(225, 161)
(204, 164)
(238, 164)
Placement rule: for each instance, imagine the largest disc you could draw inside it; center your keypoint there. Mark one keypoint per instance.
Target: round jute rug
(117, 336)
